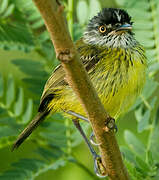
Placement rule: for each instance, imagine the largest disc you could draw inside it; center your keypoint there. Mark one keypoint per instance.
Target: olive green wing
(55, 80)
(88, 55)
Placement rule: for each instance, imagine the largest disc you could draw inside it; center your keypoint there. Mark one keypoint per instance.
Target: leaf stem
(145, 102)
(70, 16)
(151, 129)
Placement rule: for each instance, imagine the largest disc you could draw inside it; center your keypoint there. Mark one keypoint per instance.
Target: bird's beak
(124, 27)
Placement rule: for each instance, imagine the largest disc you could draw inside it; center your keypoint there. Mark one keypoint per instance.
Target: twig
(77, 77)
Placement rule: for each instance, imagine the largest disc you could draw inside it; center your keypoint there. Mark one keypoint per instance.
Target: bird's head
(111, 28)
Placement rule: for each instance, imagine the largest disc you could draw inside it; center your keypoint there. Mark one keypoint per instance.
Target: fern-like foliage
(15, 37)
(21, 25)
(14, 34)
(35, 72)
(139, 158)
(6, 8)
(13, 113)
(31, 168)
(55, 138)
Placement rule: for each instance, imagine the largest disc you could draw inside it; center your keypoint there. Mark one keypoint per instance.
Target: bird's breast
(119, 78)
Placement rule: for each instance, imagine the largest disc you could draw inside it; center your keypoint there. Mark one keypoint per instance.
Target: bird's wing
(88, 55)
(55, 80)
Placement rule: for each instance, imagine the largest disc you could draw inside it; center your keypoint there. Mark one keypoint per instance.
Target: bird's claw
(99, 168)
(110, 125)
(92, 141)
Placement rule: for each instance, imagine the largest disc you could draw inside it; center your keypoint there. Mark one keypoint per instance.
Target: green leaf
(10, 93)
(147, 91)
(134, 174)
(5, 120)
(44, 36)
(16, 175)
(24, 169)
(56, 139)
(128, 154)
(3, 5)
(134, 144)
(30, 67)
(82, 12)
(6, 131)
(30, 168)
(9, 10)
(35, 85)
(142, 118)
(29, 164)
(38, 24)
(50, 126)
(142, 165)
(34, 17)
(153, 67)
(144, 123)
(138, 113)
(18, 107)
(50, 154)
(28, 112)
(94, 8)
(151, 55)
(16, 36)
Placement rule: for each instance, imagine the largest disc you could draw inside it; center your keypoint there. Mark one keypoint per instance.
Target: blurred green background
(27, 59)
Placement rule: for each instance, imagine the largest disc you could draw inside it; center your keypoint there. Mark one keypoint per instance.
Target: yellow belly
(118, 83)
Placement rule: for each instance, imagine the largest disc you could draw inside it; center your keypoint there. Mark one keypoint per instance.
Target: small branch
(77, 77)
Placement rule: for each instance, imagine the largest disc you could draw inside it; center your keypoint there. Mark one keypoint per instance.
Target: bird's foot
(99, 167)
(91, 138)
(110, 125)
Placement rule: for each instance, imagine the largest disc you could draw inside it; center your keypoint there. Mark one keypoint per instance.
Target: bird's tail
(29, 129)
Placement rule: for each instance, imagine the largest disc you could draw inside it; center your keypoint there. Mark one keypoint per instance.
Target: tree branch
(77, 77)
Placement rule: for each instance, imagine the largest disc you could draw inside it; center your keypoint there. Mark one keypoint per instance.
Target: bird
(115, 62)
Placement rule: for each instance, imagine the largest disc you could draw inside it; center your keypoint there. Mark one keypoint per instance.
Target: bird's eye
(102, 29)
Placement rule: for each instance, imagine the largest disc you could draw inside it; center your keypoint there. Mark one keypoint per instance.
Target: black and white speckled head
(111, 27)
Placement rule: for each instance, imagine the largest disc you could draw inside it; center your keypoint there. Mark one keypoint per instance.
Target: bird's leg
(92, 139)
(110, 125)
(79, 116)
(85, 119)
(98, 166)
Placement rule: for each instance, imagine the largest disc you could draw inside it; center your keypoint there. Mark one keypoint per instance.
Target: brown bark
(77, 77)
